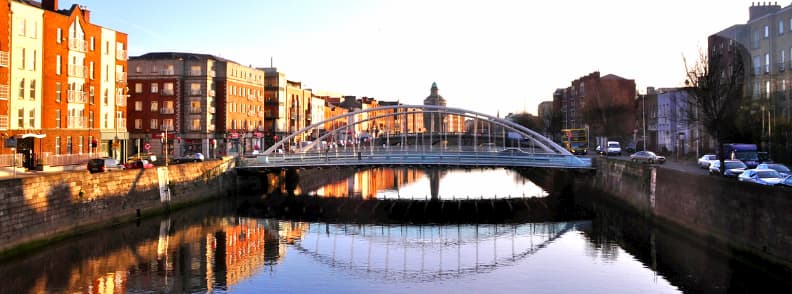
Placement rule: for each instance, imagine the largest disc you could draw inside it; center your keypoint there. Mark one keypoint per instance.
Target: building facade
(62, 81)
(187, 102)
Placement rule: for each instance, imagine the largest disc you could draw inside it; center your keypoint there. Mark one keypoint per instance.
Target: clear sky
(490, 56)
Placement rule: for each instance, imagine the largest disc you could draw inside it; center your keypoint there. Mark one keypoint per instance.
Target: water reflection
(446, 184)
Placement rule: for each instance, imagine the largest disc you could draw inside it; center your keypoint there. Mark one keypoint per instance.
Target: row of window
(81, 145)
(167, 107)
(154, 124)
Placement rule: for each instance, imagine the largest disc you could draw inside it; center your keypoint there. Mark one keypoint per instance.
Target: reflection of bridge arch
(504, 144)
(403, 111)
(426, 253)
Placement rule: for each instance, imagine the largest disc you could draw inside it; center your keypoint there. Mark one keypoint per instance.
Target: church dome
(434, 98)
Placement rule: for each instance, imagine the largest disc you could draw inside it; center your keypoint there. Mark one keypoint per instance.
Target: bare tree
(716, 84)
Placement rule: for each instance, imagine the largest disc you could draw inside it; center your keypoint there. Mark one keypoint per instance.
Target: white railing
(5, 92)
(4, 59)
(210, 109)
(69, 159)
(121, 123)
(75, 96)
(75, 122)
(121, 76)
(121, 54)
(121, 101)
(76, 70)
(79, 45)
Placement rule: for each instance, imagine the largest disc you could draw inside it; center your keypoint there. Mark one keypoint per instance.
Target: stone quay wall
(751, 218)
(40, 208)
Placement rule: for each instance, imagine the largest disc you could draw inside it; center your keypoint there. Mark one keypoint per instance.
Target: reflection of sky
(373, 260)
(490, 183)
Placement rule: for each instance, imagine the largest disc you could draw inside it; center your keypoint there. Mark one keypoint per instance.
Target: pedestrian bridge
(399, 135)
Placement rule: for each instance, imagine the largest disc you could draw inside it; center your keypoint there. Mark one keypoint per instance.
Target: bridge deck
(408, 158)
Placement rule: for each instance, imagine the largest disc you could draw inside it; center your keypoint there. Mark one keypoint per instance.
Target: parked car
(733, 168)
(647, 156)
(148, 156)
(98, 165)
(779, 167)
(190, 157)
(614, 148)
(766, 177)
(705, 160)
(140, 163)
(630, 148)
(787, 182)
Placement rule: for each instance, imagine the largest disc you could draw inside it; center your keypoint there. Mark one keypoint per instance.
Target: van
(614, 148)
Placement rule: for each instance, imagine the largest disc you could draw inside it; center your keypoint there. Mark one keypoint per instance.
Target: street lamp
(643, 105)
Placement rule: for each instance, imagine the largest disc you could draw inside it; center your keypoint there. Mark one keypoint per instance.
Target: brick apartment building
(62, 81)
(201, 103)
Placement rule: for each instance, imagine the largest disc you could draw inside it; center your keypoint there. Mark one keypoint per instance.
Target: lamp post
(643, 105)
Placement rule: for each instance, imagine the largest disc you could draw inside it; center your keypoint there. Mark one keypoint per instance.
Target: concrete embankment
(37, 210)
(749, 218)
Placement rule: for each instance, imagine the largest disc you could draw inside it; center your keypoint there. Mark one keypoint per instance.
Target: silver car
(733, 168)
(766, 177)
(705, 160)
(647, 156)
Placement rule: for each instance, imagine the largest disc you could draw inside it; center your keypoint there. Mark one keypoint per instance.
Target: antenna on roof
(271, 62)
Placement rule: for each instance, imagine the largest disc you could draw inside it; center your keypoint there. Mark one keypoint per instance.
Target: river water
(215, 248)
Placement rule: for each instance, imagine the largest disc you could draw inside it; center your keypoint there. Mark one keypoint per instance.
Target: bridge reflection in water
(418, 253)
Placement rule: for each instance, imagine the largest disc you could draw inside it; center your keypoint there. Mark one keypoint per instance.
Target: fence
(47, 158)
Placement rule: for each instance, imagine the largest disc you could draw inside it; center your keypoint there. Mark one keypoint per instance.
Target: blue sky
(490, 56)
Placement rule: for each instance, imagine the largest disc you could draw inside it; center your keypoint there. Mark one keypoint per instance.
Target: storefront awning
(31, 135)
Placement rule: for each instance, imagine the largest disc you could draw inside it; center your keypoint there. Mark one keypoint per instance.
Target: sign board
(147, 146)
(10, 142)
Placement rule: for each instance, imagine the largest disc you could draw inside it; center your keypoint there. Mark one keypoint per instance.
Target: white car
(766, 177)
(614, 148)
(705, 160)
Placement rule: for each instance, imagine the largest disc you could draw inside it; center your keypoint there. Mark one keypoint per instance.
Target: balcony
(121, 101)
(5, 92)
(78, 45)
(210, 109)
(121, 123)
(76, 97)
(251, 113)
(212, 73)
(76, 70)
(121, 76)
(211, 93)
(121, 54)
(167, 110)
(167, 72)
(75, 122)
(4, 59)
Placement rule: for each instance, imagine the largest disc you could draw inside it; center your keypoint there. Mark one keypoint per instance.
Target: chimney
(51, 5)
(86, 13)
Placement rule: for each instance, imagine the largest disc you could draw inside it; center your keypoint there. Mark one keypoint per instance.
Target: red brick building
(49, 85)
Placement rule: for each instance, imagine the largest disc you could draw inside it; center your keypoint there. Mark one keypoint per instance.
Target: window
(154, 125)
(106, 96)
(80, 145)
(91, 119)
(195, 106)
(138, 123)
(167, 88)
(57, 64)
(167, 123)
(69, 145)
(195, 70)
(32, 119)
(195, 124)
(21, 118)
(168, 107)
(195, 89)
(153, 68)
(58, 92)
(59, 36)
(154, 105)
(106, 121)
(92, 95)
(32, 89)
(107, 48)
(22, 89)
(766, 31)
(106, 73)
(58, 145)
(57, 118)
(780, 27)
(93, 44)
(22, 64)
(169, 70)
(22, 29)
(767, 62)
(154, 88)
(91, 70)
(138, 105)
(138, 88)
(33, 60)
(138, 69)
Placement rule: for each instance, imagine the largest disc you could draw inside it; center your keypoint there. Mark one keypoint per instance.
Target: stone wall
(748, 217)
(50, 205)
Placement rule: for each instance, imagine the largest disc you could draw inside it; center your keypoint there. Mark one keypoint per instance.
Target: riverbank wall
(43, 208)
(750, 218)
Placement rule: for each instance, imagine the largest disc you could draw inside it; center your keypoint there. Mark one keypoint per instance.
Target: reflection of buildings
(365, 184)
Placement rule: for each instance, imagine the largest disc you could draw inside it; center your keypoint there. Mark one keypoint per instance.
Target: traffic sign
(147, 146)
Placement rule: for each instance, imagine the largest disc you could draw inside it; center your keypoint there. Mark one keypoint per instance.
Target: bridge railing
(380, 156)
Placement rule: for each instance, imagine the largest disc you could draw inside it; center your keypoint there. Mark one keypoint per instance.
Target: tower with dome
(434, 122)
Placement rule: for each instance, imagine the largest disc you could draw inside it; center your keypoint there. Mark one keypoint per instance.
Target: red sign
(234, 135)
(147, 146)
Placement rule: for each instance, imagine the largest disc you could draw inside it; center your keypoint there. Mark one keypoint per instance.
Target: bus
(575, 141)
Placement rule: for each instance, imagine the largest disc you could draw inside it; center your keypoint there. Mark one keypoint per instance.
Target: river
(217, 247)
